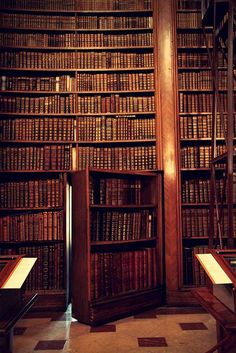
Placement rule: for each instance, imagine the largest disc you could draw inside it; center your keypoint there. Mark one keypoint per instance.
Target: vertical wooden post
(168, 130)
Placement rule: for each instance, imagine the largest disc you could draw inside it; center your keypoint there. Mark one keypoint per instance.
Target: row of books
(201, 80)
(32, 193)
(200, 126)
(198, 190)
(26, 83)
(37, 129)
(37, 21)
(48, 157)
(115, 192)
(113, 5)
(39, 4)
(51, 104)
(118, 272)
(189, 19)
(201, 102)
(103, 128)
(78, 5)
(115, 103)
(198, 156)
(74, 60)
(75, 40)
(26, 20)
(89, 128)
(113, 22)
(60, 104)
(120, 225)
(196, 222)
(193, 271)
(32, 226)
(82, 82)
(120, 158)
(48, 271)
(194, 39)
(189, 5)
(115, 81)
(198, 59)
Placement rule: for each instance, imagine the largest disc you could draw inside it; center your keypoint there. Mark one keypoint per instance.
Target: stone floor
(162, 330)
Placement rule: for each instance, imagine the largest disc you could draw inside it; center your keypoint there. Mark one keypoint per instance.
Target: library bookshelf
(195, 128)
(77, 89)
(196, 106)
(117, 257)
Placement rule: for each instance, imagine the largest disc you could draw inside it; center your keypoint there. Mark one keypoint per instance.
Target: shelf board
(76, 30)
(10, 209)
(78, 114)
(76, 70)
(29, 242)
(74, 11)
(77, 49)
(195, 169)
(87, 142)
(120, 242)
(134, 292)
(195, 204)
(76, 92)
(129, 206)
(36, 171)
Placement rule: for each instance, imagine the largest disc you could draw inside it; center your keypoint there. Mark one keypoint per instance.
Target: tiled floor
(157, 331)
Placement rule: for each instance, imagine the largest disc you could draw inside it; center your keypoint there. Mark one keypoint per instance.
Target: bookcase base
(122, 306)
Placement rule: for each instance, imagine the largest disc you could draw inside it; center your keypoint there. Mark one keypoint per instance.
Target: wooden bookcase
(36, 133)
(117, 242)
(195, 128)
(77, 88)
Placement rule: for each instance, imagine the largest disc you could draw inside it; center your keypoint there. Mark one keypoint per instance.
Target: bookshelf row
(88, 128)
(32, 193)
(196, 222)
(82, 82)
(116, 192)
(36, 21)
(57, 104)
(75, 40)
(48, 157)
(121, 225)
(32, 226)
(118, 272)
(48, 271)
(118, 158)
(59, 157)
(200, 102)
(198, 190)
(82, 5)
(194, 39)
(189, 19)
(202, 80)
(189, 5)
(198, 156)
(196, 59)
(75, 60)
(200, 126)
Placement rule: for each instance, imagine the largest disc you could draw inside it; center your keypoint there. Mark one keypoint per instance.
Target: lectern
(13, 301)
(219, 298)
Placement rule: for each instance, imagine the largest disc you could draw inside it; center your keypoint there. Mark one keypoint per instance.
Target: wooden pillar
(168, 145)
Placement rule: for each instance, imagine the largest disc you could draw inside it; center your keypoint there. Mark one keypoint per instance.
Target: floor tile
(193, 326)
(104, 328)
(152, 342)
(47, 345)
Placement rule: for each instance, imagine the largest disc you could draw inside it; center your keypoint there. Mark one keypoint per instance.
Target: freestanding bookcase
(117, 261)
